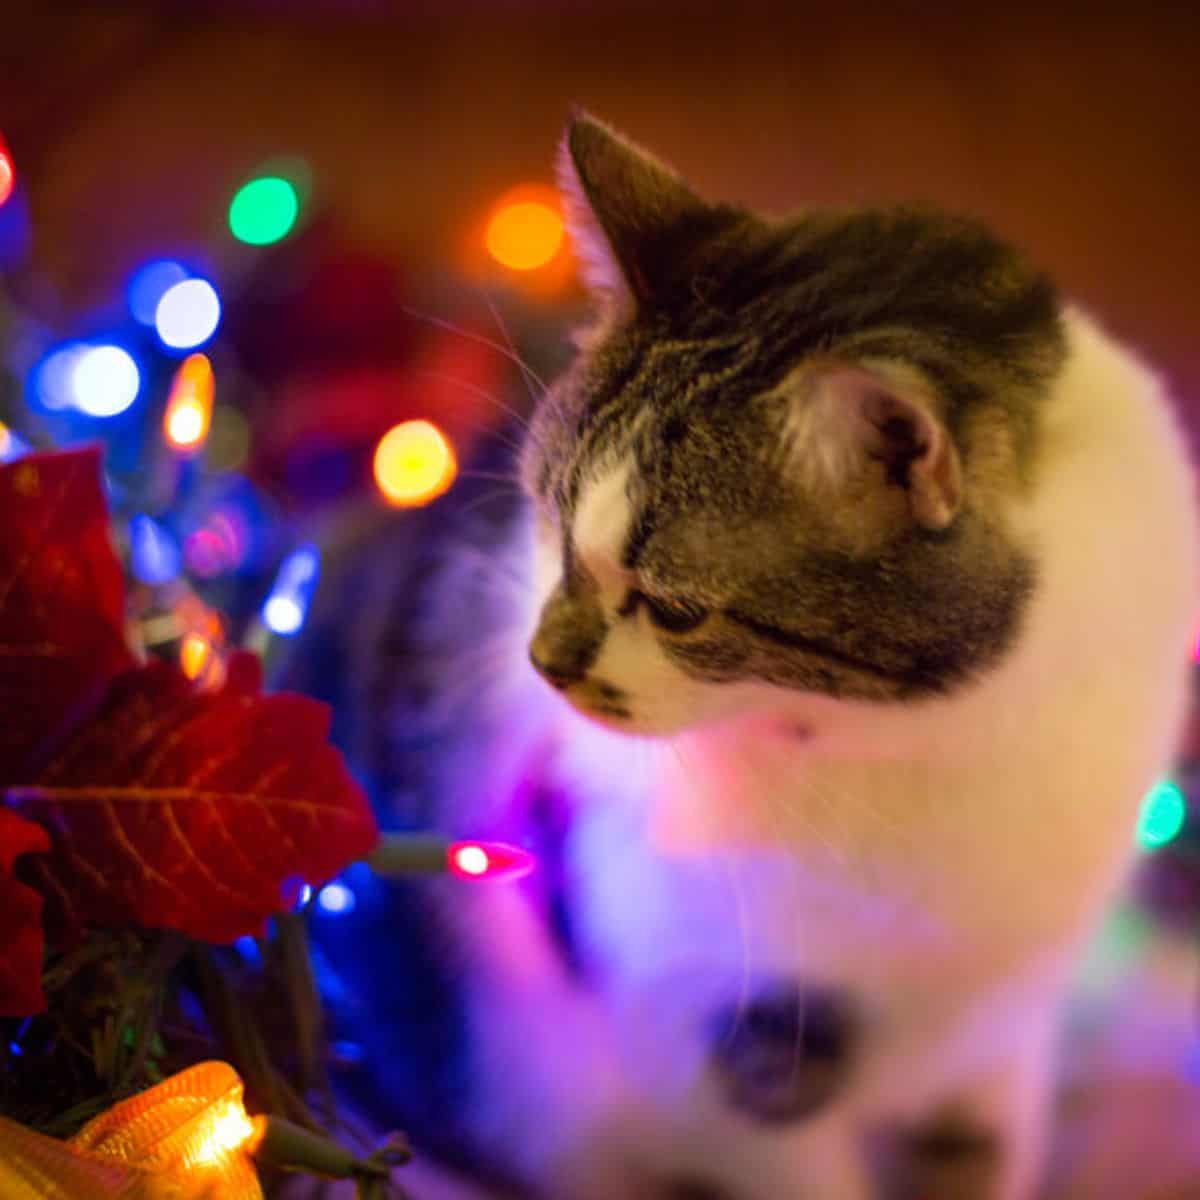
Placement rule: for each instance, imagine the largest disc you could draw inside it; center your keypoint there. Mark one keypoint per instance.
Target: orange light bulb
(189, 405)
(195, 653)
(414, 463)
(524, 234)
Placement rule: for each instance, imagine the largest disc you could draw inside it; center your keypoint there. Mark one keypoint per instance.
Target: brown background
(1072, 130)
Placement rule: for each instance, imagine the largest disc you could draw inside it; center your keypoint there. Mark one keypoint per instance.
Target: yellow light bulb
(414, 463)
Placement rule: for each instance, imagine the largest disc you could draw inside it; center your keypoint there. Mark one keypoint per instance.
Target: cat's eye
(674, 616)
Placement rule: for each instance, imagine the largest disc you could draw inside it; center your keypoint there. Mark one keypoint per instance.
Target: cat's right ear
(627, 213)
(875, 422)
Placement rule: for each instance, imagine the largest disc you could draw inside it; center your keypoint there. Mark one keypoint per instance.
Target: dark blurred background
(1072, 128)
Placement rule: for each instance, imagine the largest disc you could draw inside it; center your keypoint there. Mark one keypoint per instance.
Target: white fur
(945, 860)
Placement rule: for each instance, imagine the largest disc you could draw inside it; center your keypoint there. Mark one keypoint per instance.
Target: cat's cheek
(659, 698)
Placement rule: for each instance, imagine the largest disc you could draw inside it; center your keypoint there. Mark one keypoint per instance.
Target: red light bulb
(488, 860)
(8, 173)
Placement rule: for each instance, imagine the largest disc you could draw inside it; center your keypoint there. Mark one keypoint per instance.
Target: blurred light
(414, 463)
(8, 172)
(1162, 816)
(103, 380)
(148, 286)
(471, 860)
(247, 948)
(153, 552)
(188, 314)
(264, 210)
(294, 893)
(195, 653)
(524, 235)
(205, 553)
(52, 380)
(287, 605)
(11, 446)
(489, 860)
(336, 898)
(282, 615)
(189, 405)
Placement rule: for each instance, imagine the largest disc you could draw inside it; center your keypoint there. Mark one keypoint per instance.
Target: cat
(862, 579)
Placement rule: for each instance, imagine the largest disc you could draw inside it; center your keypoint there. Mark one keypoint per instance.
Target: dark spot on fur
(786, 1054)
(689, 1188)
(951, 1159)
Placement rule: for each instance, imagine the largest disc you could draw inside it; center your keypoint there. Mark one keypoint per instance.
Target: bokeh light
(148, 286)
(1162, 816)
(471, 860)
(11, 446)
(153, 553)
(264, 210)
(488, 860)
(103, 380)
(336, 898)
(195, 654)
(188, 314)
(524, 234)
(52, 380)
(287, 605)
(8, 173)
(189, 405)
(414, 463)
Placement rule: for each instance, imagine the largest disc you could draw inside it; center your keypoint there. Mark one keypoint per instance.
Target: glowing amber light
(414, 463)
(189, 406)
(226, 1129)
(190, 1131)
(195, 652)
(524, 235)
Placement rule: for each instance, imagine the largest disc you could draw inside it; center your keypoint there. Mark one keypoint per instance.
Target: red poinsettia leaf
(195, 811)
(62, 600)
(243, 673)
(21, 939)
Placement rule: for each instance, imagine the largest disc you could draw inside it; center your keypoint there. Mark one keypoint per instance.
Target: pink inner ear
(597, 263)
(903, 433)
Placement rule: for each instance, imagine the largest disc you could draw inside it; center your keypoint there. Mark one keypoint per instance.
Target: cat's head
(785, 452)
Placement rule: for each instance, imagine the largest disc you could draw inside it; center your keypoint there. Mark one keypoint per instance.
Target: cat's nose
(557, 675)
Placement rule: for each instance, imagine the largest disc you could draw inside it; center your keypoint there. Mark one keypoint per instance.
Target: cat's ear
(626, 211)
(880, 418)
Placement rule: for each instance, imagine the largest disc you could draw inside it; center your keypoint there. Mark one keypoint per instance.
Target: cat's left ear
(880, 418)
(629, 215)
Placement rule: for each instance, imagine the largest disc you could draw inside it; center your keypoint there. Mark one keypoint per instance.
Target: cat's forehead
(604, 519)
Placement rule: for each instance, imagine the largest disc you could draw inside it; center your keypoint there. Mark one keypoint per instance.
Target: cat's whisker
(479, 338)
(482, 393)
(495, 476)
(527, 373)
(484, 498)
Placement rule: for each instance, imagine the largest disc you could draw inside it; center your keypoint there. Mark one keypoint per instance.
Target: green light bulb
(1163, 812)
(264, 210)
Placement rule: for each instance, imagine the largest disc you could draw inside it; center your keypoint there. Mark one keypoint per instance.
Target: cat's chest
(765, 863)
